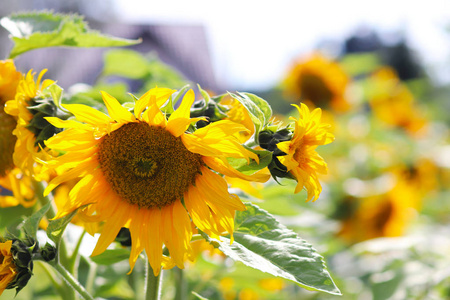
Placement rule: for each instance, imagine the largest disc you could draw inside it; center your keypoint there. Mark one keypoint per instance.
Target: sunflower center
(315, 89)
(7, 142)
(146, 165)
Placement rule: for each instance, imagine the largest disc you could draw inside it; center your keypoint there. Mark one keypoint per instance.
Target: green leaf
(31, 224)
(45, 29)
(56, 91)
(125, 63)
(56, 227)
(259, 110)
(240, 164)
(262, 243)
(205, 94)
(111, 256)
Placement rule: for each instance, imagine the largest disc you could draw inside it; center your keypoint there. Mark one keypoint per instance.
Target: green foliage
(261, 242)
(56, 227)
(146, 68)
(46, 29)
(241, 164)
(31, 224)
(111, 256)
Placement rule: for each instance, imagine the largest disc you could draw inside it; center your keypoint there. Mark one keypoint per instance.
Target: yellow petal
(178, 126)
(87, 114)
(223, 167)
(184, 110)
(115, 110)
(111, 229)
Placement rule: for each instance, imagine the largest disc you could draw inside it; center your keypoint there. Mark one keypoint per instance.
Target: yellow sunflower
(393, 103)
(27, 147)
(384, 215)
(319, 80)
(7, 267)
(145, 172)
(14, 188)
(301, 158)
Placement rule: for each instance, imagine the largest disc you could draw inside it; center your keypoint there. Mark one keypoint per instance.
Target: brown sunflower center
(146, 165)
(7, 141)
(315, 89)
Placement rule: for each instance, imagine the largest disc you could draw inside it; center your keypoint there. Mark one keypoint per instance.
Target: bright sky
(253, 42)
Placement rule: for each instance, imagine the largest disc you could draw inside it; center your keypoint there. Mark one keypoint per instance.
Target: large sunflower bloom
(301, 158)
(319, 80)
(7, 267)
(145, 172)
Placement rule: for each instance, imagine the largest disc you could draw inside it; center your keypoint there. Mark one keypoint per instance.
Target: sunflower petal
(115, 110)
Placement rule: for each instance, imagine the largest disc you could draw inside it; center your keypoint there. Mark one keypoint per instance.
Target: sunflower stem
(153, 284)
(180, 284)
(72, 282)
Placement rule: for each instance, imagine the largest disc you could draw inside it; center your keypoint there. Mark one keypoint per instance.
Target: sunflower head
(32, 103)
(319, 80)
(298, 156)
(393, 103)
(149, 172)
(16, 263)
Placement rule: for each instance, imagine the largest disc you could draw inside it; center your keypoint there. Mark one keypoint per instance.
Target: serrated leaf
(31, 224)
(111, 256)
(262, 243)
(259, 110)
(44, 29)
(240, 164)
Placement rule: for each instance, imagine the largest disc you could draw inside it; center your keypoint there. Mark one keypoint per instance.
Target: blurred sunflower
(385, 215)
(14, 188)
(393, 103)
(28, 129)
(7, 267)
(319, 80)
(146, 173)
(301, 159)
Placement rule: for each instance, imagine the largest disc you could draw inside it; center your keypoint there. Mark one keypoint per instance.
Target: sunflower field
(143, 184)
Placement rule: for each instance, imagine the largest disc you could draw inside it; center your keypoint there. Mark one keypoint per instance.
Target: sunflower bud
(16, 260)
(213, 111)
(48, 252)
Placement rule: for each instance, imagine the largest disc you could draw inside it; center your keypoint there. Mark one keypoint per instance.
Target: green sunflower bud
(48, 252)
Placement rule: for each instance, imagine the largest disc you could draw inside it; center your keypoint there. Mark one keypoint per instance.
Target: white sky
(253, 42)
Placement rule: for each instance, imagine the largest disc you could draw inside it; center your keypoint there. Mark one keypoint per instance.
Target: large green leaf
(126, 63)
(261, 242)
(56, 227)
(45, 29)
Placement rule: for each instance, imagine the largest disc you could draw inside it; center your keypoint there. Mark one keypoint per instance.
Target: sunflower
(143, 171)
(393, 103)
(14, 188)
(7, 267)
(382, 215)
(28, 106)
(319, 80)
(301, 159)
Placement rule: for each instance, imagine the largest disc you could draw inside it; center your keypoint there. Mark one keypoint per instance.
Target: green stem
(180, 284)
(74, 258)
(153, 284)
(71, 281)
(43, 200)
